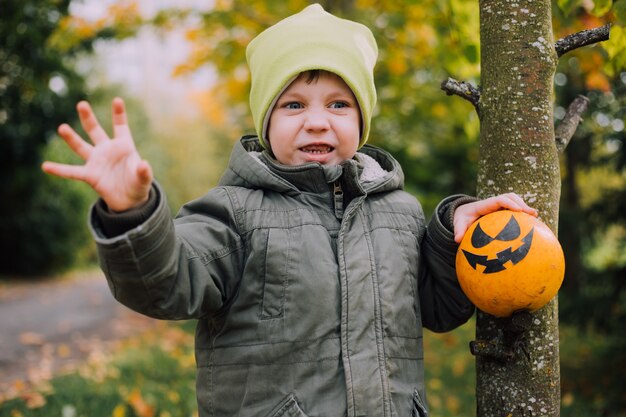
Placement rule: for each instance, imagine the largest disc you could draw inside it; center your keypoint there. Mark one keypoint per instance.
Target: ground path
(50, 325)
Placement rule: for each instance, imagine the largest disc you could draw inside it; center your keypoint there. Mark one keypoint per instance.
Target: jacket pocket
(418, 408)
(288, 407)
(278, 255)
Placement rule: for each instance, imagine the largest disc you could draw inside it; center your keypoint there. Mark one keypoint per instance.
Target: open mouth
(317, 149)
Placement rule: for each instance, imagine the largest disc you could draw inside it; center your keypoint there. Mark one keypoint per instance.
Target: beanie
(312, 39)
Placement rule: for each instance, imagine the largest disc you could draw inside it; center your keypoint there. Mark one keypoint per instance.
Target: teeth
(317, 149)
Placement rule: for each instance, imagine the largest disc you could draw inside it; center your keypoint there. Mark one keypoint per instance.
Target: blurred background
(180, 66)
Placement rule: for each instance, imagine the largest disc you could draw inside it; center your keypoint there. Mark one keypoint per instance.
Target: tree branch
(462, 89)
(566, 129)
(583, 38)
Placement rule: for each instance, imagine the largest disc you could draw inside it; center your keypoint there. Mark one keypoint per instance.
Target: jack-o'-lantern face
(510, 233)
(509, 261)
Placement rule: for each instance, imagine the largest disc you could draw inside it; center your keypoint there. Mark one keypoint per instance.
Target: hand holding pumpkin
(467, 214)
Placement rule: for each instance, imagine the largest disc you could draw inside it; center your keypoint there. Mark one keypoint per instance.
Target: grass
(450, 372)
(592, 372)
(150, 376)
(154, 376)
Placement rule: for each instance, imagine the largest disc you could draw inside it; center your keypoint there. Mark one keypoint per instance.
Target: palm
(113, 167)
(111, 170)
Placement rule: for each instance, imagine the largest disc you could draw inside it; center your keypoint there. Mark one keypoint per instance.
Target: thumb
(458, 235)
(144, 172)
(460, 227)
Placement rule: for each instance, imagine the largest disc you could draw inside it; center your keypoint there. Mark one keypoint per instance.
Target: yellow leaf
(397, 62)
(568, 399)
(453, 404)
(211, 106)
(192, 35)
(139, 405)
(63, 350)
(173, 396)
(458, 365)
(434, 384)
(366, 4)
(439, 110)
(616, 42)
(34, 400)
(119, 411)
(223, 5)
(597, 81)
(19, 385)
(85, 30)
(397, 65)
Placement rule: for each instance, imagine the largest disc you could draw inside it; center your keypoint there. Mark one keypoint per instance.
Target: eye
(292, 105)
(339, 105)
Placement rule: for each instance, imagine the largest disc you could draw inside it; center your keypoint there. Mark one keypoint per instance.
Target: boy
(308, 268)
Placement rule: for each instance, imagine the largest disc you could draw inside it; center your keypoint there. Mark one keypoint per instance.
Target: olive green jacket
(310, 285)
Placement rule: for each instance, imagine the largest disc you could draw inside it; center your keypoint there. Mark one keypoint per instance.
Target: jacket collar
(372, 170)
(311, 177)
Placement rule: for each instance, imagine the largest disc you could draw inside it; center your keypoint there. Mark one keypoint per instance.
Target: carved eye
(510, 232)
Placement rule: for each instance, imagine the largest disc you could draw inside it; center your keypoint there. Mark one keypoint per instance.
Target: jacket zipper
(338, 199)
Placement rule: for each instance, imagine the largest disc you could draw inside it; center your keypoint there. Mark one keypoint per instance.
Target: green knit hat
(311, 40)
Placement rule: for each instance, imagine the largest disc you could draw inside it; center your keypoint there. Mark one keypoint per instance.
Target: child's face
(315, 122)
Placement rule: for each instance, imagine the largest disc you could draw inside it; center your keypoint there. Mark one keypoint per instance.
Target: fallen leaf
(139, 405)
(34, 400)
(64, 351)
(567, 399)
(119, 411)
(19, 385)
(31, 338)
(173, 396)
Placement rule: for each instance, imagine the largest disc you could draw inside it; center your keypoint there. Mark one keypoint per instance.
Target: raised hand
(466, 214)
(113, 167)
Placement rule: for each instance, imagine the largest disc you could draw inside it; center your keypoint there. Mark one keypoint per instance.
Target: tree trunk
(518, 154)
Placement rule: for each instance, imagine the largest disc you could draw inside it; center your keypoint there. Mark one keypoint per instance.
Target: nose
(316, 121)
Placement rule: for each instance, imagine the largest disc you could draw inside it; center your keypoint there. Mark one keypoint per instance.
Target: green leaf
(616, 43)
(601, 7)
(619, 9)
(471, 53)
(568, 6)
(616, 48)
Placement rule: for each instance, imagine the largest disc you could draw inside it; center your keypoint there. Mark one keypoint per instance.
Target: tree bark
(518, 154)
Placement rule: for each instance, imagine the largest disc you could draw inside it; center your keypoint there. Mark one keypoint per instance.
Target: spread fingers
(90, 123)
(72, 172)
(120, 120)
(74, 141)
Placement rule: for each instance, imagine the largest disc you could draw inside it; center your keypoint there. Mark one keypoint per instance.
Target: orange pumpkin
(509, 261)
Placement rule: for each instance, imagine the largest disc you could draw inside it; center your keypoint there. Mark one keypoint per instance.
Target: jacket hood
(373, 170)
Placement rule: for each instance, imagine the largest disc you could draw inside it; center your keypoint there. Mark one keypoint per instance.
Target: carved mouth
(510, 232)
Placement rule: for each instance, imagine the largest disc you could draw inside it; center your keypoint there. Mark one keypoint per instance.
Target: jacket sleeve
(174, 269)
(443, 304)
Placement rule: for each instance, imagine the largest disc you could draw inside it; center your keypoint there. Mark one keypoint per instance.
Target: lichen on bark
(518, 154)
